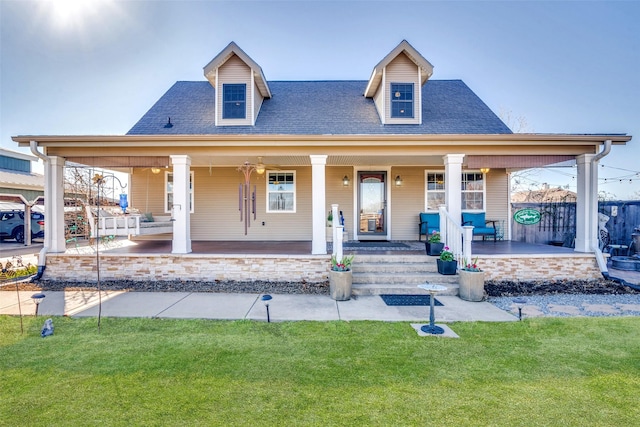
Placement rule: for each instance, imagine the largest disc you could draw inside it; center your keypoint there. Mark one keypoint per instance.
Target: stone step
(395, 268)
(397, 289)
(409, 278)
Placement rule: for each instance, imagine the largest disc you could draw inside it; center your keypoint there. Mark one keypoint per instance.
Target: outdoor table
(431, 328)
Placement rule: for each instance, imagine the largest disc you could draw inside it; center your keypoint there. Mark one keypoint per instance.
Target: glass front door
(372, 205)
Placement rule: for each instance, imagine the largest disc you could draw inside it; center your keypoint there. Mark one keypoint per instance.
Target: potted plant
(471, 282)
(446, 263)
(433, 245)
(340, 278)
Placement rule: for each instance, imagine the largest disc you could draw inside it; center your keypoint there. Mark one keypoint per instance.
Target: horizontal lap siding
(146, 193)
(217, 216)
(337, 193)
(407, 201)
(402, 70)
(497, 204)
(234, 71)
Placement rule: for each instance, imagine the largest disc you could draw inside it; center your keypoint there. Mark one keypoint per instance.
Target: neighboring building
(383, 149)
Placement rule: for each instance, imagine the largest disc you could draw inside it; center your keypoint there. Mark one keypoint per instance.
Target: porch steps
(398, 274)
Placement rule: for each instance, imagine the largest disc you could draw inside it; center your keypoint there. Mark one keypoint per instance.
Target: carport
(17, 202)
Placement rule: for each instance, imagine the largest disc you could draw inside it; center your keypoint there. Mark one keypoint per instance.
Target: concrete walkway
(185, 305)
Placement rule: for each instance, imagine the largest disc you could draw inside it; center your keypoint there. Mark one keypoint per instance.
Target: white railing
(456, 237)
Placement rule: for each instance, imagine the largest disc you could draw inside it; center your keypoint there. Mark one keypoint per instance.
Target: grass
(152, 372)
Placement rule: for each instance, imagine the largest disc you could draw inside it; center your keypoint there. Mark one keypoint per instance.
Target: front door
(372, 205)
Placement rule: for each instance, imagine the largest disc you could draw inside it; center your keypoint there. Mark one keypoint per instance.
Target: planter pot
(434, 249)
(471, 285)
(340, 285)
(446, 267)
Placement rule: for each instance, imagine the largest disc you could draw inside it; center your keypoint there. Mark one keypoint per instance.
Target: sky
(94, 67)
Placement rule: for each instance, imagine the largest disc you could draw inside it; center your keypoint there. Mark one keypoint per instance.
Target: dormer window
(234, 105)
(402, 100)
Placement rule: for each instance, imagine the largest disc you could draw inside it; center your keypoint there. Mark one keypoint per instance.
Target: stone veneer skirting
(289, 268)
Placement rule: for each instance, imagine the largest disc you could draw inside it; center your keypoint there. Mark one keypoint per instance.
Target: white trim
(466, 171)
(295, 192)
(356, 216)
(253, 101)
(418, 104)
(218, 101)
(166, 192)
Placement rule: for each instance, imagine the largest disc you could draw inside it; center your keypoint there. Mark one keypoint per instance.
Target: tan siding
(378, 100)
(407, 201)
(497, 203)
(402, 70)
(337, 193)
(234, 71)
(147, 192)
(257, 102)
(217, 216)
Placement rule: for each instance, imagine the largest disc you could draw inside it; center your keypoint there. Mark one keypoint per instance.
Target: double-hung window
(234, 101)
(472, 191)
(435, 190)
(168, 194)
(402, 100)
(281, 191)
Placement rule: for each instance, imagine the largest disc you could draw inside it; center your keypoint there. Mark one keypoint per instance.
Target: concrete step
(398, 274)
(400, 289)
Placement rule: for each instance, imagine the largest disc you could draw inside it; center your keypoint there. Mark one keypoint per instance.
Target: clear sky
(96, 66)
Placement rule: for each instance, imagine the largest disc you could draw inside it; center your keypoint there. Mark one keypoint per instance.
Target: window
(402, 100)
(234, 100)
(168, 195)
(435, 190)
(472, 191)
(281, 191)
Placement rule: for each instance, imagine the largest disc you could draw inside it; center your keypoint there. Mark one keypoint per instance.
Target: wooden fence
(558, 222)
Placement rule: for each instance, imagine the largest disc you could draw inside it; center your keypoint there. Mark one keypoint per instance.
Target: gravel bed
(596, 298)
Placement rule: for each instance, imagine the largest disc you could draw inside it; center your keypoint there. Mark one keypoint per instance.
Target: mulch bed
(508, 288)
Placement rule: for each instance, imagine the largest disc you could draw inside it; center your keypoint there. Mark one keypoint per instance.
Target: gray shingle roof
(320, 108)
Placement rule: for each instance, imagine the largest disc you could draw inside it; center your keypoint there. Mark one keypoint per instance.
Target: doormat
(409, 300)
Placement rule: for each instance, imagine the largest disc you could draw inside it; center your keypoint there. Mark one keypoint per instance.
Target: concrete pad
(132, 304)
(531, 311)
(564, 308)
(448, 333)
(600, 308)
(629, 307)
(206, 305)
(295, 307)
(9, 303)
(372, 307)
(454, 310)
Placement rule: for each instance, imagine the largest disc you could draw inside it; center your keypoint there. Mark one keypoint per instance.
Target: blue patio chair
(480, 224)
(429, 222)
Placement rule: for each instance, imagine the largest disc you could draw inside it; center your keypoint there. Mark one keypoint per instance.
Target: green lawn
(153, 372)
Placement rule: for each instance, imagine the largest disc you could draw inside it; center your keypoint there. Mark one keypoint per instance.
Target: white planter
(471, 285)
(340, 285)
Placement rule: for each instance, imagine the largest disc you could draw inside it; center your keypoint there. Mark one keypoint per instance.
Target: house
(237, 157)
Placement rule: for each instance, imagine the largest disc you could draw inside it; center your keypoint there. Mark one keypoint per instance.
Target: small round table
(431, 328)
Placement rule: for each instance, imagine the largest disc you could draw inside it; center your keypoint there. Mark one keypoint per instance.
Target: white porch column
(181, 204)
(54, 205)
(318, 200)
(452, 185)
(586, 203)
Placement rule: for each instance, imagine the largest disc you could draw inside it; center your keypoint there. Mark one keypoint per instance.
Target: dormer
(240, 87)
(396, 85)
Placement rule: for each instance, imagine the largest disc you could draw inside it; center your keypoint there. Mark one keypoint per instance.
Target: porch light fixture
(260, 166)
(37, 299)
(155, 171)
(485, 170)
(398, 181)
(345, 181)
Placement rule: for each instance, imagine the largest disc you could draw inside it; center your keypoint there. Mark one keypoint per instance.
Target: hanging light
(485, 170)
(260, 166)
(155, 170)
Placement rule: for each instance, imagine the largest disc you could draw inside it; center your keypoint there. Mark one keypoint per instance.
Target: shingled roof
(320, 108)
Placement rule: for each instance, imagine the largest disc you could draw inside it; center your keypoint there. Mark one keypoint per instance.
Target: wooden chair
(480, 224)
(429, 222)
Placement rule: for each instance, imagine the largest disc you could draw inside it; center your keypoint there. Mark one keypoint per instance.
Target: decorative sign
(527, 216)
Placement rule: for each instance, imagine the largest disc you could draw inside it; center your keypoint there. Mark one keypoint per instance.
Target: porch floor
(304, 247)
